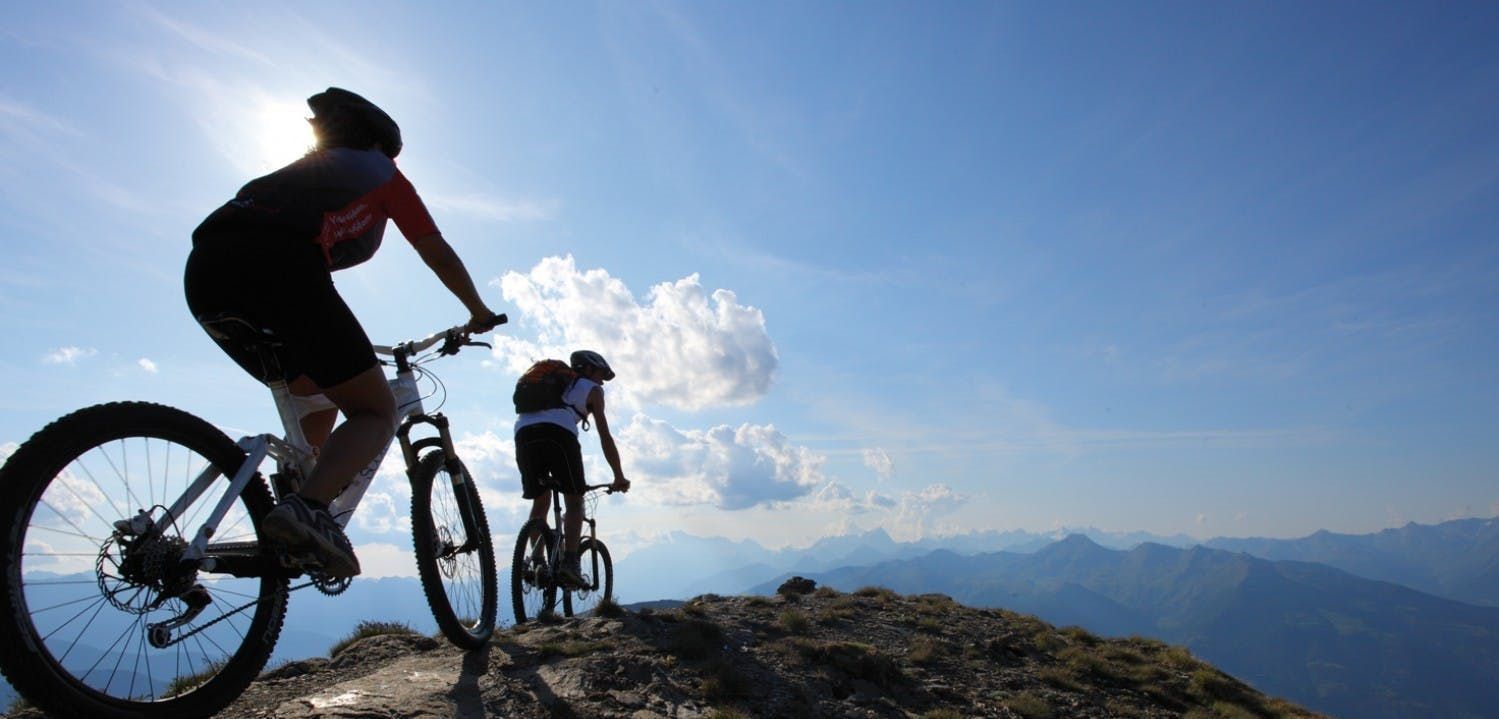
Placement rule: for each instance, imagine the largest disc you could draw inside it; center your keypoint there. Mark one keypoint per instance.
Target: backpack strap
(582, 416)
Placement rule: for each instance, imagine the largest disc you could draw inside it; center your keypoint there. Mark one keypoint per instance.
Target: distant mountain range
(680, 565)
(1457, 559)
(1335, 642)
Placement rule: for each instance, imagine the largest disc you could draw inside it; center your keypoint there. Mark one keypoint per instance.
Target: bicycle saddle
(235, 328)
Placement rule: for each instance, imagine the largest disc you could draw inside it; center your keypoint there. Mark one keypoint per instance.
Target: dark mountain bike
(137, 583)
(534, 584)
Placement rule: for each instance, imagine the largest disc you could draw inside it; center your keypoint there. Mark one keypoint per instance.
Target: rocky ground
(804, 653)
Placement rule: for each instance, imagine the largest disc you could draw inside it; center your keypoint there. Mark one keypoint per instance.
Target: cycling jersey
(338, 199)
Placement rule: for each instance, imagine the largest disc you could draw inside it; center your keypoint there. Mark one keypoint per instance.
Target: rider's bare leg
(539, 507)
(317, 425)
(370, 410)
(572, 524)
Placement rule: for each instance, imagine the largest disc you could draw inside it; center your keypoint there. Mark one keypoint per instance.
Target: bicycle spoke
(81, 500)
(79, 461)
(150, 487)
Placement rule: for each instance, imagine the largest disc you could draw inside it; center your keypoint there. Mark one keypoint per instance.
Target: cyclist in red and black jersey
(268, 255)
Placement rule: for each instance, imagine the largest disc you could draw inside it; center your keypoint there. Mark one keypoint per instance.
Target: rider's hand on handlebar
(483, 321)
(620, 485)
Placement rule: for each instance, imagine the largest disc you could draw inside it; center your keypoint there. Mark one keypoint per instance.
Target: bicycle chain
(236, 610)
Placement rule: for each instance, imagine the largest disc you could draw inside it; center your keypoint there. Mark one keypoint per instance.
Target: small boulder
(796, 585)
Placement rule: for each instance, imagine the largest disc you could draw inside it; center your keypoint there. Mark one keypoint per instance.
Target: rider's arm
(606, 440)
(445, 263)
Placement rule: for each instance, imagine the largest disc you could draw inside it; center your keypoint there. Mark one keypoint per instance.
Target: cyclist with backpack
(267, 256)
(551, 399)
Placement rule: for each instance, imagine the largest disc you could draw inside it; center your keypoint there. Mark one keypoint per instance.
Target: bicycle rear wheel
(82, 595)
(533, 590)
(454, 557)
(598, 572)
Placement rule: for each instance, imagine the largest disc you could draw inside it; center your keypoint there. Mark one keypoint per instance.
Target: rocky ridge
(804, 653)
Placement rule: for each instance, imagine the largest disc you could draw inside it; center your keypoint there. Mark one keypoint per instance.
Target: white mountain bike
(136, 581)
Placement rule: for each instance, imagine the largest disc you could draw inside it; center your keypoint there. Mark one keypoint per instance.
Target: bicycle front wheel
(454, 552)
(533, 590)
(99, 617)
(598, 575)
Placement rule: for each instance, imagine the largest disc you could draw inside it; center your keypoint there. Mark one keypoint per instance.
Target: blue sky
(1217, 269)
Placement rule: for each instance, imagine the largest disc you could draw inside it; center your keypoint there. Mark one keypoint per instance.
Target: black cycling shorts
(285, 287)
(548, 456)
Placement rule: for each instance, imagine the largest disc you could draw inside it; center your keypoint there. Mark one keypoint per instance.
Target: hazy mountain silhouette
(1318, 635)
(680, 565)
(1457, 559)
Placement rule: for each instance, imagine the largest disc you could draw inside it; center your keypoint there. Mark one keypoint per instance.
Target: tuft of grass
(793, 621)
(835, 614)
(184, 684)
(1225, 710)
(1060, 678)
(941, 714)
(759, 601)
(724, 682)
(883, 595)
(1047, 640)
(849, 601)
(935, 604)
(926, 651)
(609, 608)
(1078, 635)
(728, 713)
(1215, 686)
(1029, 706)
(865, 662)
(694, 639)
(369, 628)
(853, 658)
(929, 624)
(571, 648)
(826, 592)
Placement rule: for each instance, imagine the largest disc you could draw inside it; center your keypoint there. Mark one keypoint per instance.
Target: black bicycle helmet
(589, 358)
(345, 119)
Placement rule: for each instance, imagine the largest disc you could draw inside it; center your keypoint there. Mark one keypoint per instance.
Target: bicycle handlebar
(453, 338)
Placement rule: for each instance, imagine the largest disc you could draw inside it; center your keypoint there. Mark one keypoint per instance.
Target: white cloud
(490, 459)
(729, 467)
(879, 460)
(381, 559)
(684, 347)
(204, 39)
(836, 498)
(147, 365)
(378, 514)
(915, 512)
(69, 355)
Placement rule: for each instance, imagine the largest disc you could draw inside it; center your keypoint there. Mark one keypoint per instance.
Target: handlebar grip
(495, 320)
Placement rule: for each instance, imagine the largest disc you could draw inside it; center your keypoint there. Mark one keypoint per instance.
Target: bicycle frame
(294, 454)
(560, 543)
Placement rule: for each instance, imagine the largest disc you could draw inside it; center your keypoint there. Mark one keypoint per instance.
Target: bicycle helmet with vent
(345, 119)
(589, 358)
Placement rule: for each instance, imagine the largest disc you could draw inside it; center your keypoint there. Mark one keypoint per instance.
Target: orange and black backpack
(543, 387)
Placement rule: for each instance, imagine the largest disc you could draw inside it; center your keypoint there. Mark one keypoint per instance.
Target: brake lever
(478, 344)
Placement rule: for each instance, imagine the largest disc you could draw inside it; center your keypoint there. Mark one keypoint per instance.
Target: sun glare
(283, 133)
